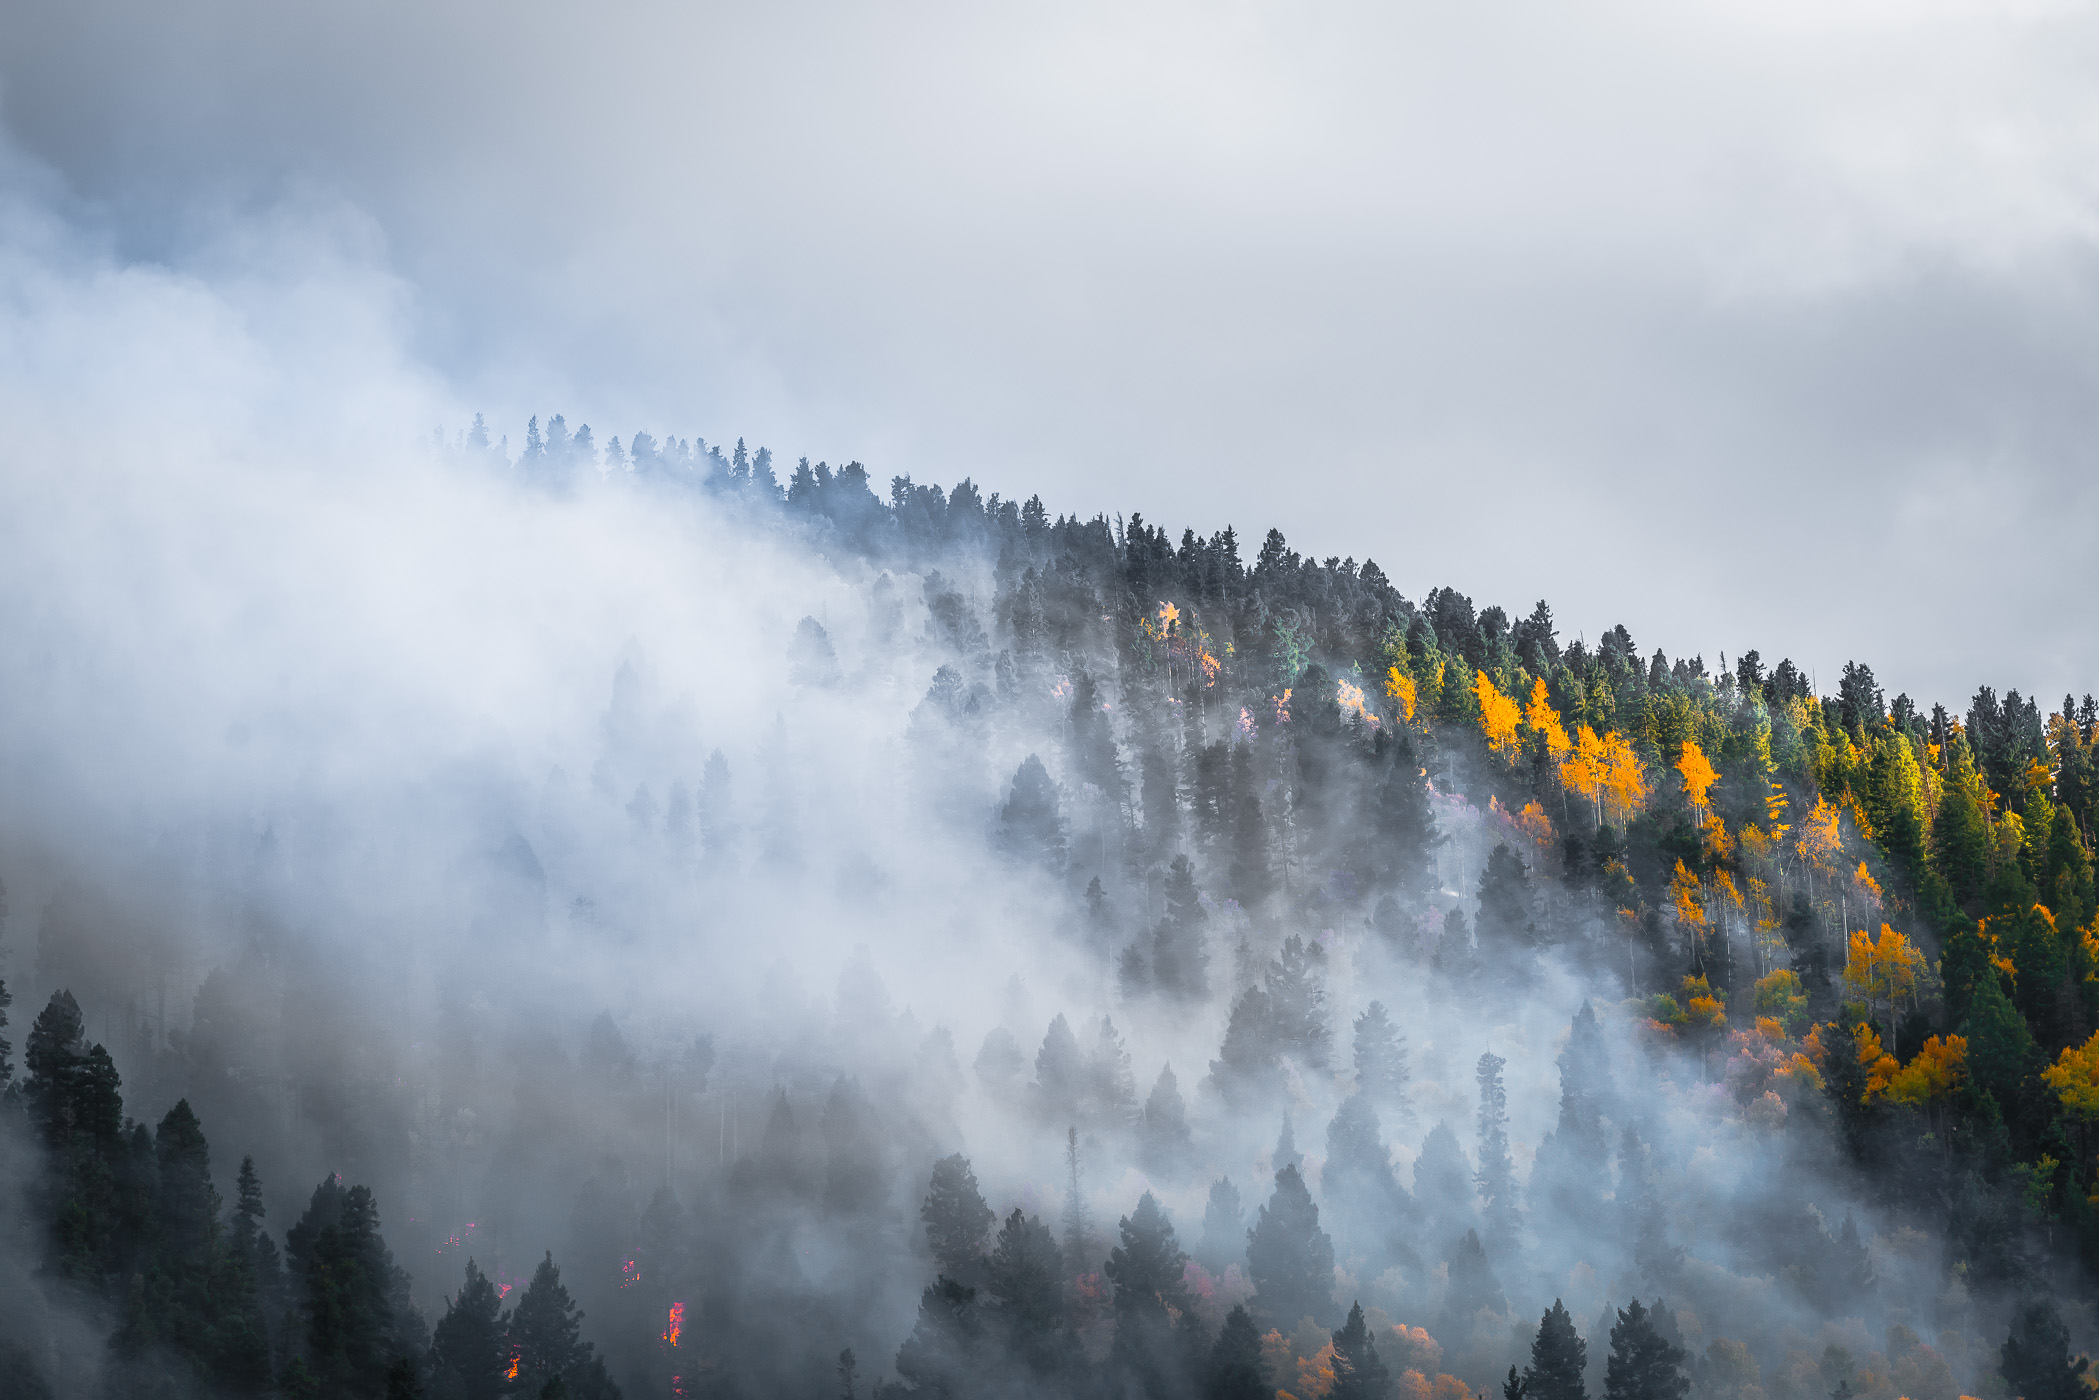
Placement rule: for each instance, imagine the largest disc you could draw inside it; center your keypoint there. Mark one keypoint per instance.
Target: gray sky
(1745, 324)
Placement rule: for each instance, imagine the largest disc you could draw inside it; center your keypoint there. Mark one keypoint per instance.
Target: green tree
(1147, 1269)
(469, 1352)
(1644, 1364)
(2035, 1359)
(1380, 1054)
(1559, 1357)
(1358, 1373)
(546, 1329)
(1025, 1279)
(1289, 1258)
(956, 1219)
(1497, 1171)
(1236, 1372)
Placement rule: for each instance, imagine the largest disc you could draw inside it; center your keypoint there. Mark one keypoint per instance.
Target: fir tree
(1381, 1061)
(1180, 964)
(1164, 1142)
(1644, 1364)
(1147, 1270)
(1246, 1066)
(1473, 1289)
(1358, 1373)
(1289, 1258)
(1025, 1278)
(1236, 1372)
(1443, 1186)
(943, 1358)
(1296, 987)
(546, 1330)
(1060, 1074)
(1224, 1227)
(956, 1219)
(469, 1354)
(1559, 1359)
(2035, 1358)
(1497, 1172)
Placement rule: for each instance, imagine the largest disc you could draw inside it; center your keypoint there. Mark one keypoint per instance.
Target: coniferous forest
(1065, 956)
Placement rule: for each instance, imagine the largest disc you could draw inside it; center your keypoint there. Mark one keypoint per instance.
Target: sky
(1743, 324)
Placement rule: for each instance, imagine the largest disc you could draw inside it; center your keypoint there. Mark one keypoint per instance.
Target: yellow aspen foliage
(1400, 688)
(1698, 774)
(1583, 772)
(1315, 1375)
(2075, 1079)
(1624, 780)
(1534, 825)
(1770, 1028)
(1719, 845)
(1498, 715)
(1775, 805)
(1868, 886)
(1880, 1066)
(1544, 721)
(1882, 971)
(1937, 1070)
(1819, 838)
(1684, 893)
(1755, 844)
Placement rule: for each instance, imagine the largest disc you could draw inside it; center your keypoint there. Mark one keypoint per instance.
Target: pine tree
(1559, 1358)
(2035, 1359)
(1060, 1074)
(468, 1350)
(1507, 911)
(1497, 1172)
(1030, 824)
(1236, 1372)
(1358, 1374)
(1111, 1088)
(256, 1288)
(943, 1358)
(1147, 1270)
(1473, 1289)
(1381, 1061)
(1025, 1278)
(1296, 985)
(1365, 1201)
(1644, 1364)
(956, 1219)
(1246, 1067)
(1164, 1142)
(546, 1330)
(1443, 1186)
(1224, 1227)
(1251, 875)
(1180, 964)
(1289, 1258)
(1077, 1222)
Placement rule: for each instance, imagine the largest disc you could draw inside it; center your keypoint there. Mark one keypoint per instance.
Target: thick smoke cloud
(1778, 303)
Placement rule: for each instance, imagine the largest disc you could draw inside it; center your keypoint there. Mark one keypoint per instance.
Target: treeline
(129, 1230)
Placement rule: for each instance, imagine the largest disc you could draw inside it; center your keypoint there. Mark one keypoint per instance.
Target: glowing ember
(511, 1374)
(677, 1324)
(629, 1274)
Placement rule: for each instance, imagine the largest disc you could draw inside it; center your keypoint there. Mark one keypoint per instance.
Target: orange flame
(511, 1374)
(677, 1324)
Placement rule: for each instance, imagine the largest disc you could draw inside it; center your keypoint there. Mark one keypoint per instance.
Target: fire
(630, 1274)
(1282, 707)
(1350, 697)
(511, 1374)
(677, 1324)
(1168, 615)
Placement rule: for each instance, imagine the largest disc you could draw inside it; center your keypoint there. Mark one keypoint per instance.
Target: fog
(488, 837)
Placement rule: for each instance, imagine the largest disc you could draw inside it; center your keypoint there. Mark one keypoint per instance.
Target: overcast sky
(1747, 324)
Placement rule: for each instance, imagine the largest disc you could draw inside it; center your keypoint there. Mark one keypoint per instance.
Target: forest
(1060, 957)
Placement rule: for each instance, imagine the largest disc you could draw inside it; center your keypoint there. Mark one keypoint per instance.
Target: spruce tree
(1147, 1269)
(1060, 1074)
(1358, 1373)
(546, 1329)
(1559, 1357)
(1025, 1279)
(1443, 1187)
(1164, 1143)
(1224, 1227)
(469, 1354)
(1289, 1258)
(1497, 1171)
(1473, 1289)
(1246, 1067)
(1644, 1364)
(943, 1358)
(2035, 1358)
(1381, 1061)
(1507, 910)
(1296, 984)
(1111, 1088)
(956, 1219)
(1365, 1201)
(1236, 1371)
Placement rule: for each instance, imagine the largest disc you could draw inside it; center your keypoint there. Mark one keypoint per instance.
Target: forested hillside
(1104, 960)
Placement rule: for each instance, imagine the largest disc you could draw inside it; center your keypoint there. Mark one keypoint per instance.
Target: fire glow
(676, 1326)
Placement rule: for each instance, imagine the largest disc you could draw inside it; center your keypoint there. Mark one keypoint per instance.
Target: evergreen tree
(546, 1330)
(1164, 1143)
(1443, 1186)
(1559, 1359)
(1111, 1088)
(1251, 875)
(1236, 1371)
(1497, 1172)
(1296, 985)
(1399, 829)
(1644, 1364)
(1060, 1074)
(943, 1358)
(956, 1219)
(1246, 1066)
(1381, 1061)
(1180, 963)
(1224, 1227)
(1365, 1201)
(1473, 1289)
(469, 1354)
(255, 1284)
(1572, 1165)
(1025, 1277)
(1289, 1258)
(1358, 1373)
(1147, 1270)
(1507, 910)
(2035, 1358)
(1030, 824)
(354, 1300)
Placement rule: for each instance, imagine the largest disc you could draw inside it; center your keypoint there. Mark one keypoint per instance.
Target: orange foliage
(1718, 844)
(1399, 686)
(1880, 1066)
(1698, 774)
(2075, 1079)
(1882, 970)
(1498, 715)
(1349, 696)
(1623, 778)
(1315, 1375)
(1819, 838)
(1935, 1072)
(1868, 886)
(1684, 893)
(1544, 720)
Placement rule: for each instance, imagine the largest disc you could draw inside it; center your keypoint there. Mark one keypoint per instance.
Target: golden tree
(1498, 715)
(1698, 776)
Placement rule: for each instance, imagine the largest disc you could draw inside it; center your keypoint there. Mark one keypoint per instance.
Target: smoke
(366, 795)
